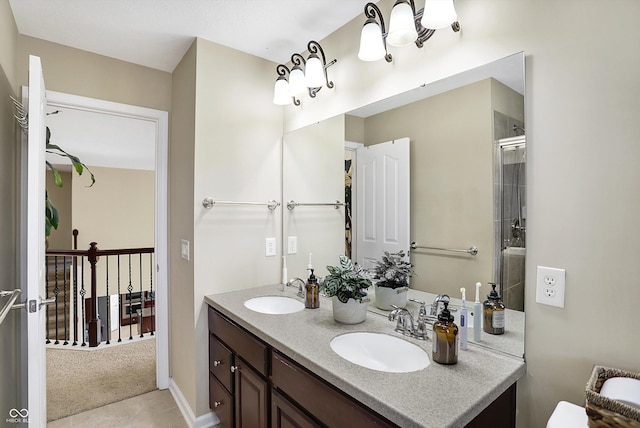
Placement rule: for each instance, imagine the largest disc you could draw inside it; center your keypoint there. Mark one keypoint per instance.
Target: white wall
(581, 114)
(229, 148)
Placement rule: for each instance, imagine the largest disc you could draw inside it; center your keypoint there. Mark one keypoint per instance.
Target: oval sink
(380, 352)
(275, 305)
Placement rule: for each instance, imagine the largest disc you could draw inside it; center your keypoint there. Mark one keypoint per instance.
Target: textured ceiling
(157, 33)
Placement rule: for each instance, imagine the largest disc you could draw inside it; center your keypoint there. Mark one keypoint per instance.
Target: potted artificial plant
(345, 284)
(392, 274)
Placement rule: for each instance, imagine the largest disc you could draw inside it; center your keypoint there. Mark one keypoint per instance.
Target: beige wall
(237, 154)
(581, 113)
(8, 37)
(61, 238)
(451, 182)
(181, 226)
(78, 72)
(313, 171)
(10, 355)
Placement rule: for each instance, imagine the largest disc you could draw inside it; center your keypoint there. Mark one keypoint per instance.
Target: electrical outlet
(270, 247)
(292, 245)
(550, 286)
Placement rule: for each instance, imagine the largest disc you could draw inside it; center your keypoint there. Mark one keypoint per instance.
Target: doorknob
(45, 302)
(31, 304)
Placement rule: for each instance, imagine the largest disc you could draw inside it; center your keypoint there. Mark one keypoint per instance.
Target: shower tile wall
(509, 265)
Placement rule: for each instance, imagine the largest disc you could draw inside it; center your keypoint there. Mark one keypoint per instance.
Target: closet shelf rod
(208, 203)
(473, 250)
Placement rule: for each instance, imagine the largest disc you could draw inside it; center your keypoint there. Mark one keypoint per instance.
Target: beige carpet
(81, 380)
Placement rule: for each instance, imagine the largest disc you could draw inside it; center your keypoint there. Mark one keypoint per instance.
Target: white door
(33, 251)
(382, 200)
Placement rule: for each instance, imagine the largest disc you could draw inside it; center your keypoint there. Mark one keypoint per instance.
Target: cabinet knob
(217, 404)
(234, 368)
(216, 363)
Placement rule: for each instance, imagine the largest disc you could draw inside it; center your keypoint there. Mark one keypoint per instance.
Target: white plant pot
(352, 312)
(385, 297)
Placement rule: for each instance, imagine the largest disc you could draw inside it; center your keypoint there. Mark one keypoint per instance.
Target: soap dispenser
(445, 338)
(312, 300)
(493, 310)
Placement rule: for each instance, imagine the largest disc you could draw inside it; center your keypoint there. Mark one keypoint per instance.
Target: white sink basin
(276, 305)
(380, 352)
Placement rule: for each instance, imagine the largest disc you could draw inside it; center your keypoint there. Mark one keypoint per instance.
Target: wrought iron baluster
(46, 292)
(108, 330)
(119, 304)
(74, 262)
(129, 309)
(141, 300)
(65, 283)
(82, 293)
(151, 295)
(56, 291)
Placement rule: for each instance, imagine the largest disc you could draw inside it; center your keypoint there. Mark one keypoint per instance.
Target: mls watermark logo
(18, 416)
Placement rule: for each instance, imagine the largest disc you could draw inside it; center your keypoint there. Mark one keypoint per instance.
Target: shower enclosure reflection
(511, 217)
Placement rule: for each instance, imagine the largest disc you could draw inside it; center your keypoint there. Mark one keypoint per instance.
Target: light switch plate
(270, 247)
(292, 245)
(184, 249)
(550, 286)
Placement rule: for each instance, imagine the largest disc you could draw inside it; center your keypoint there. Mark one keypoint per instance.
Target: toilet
(568, 415)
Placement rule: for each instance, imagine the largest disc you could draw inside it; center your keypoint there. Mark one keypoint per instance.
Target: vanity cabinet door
(221, 402)
(250, 397)
(285, 414)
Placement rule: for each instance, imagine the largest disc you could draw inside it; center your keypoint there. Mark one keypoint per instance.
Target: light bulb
(297, 86)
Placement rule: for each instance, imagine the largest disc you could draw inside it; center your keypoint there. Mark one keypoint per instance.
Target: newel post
(94, 322)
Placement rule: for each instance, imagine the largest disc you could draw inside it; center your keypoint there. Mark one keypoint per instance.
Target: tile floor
(153, 409)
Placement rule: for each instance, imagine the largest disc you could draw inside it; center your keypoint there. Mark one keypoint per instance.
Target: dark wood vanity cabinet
(238, 368)
(254, 386)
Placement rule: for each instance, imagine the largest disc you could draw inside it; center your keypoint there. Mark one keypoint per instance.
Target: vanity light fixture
(304, 77)
(406, 26)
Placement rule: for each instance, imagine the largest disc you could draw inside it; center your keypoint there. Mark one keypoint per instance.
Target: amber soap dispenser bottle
(445, 338)
(312, 300)
(493, 310)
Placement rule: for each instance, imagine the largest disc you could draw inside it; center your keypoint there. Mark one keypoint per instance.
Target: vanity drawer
(221, 402)
(241, 342)
(220, 362)
(326, 403)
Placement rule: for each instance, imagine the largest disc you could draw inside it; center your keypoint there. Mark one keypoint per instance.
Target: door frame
(352, 146)
(161, 120)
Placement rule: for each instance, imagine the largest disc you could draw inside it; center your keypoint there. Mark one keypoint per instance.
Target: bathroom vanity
(279, 370)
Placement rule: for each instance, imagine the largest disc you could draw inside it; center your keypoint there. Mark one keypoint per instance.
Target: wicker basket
(604, 412)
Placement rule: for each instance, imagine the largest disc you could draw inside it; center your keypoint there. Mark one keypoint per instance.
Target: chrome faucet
(435, 306)
(405, 320)
(301, 287)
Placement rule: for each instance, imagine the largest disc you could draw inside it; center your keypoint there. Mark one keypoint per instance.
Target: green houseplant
(51, 213)
(392, 275)
(346, 285)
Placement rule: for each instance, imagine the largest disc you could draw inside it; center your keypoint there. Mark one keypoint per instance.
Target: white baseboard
(204, 421)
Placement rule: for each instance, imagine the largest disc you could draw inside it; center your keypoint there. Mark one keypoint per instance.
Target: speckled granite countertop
(437, 396)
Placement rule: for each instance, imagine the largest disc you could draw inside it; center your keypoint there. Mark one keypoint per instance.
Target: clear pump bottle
(493, 310)
(445, 338)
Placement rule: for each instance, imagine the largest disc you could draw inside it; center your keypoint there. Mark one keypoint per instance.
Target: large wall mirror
(466, 187)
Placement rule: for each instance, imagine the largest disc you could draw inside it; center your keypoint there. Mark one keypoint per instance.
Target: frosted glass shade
(297, 86)
(402, 27)
(281, 95)
(371, 44)
(314, 72)
(438, 14)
